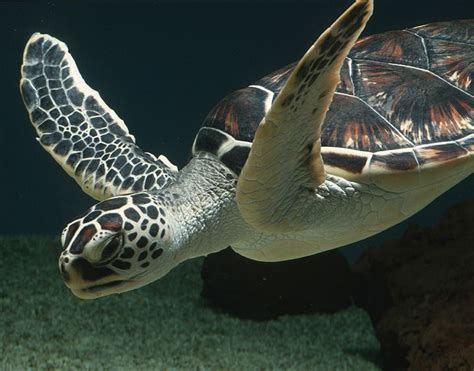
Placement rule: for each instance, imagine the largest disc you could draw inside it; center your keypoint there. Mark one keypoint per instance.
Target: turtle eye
(105, 251)
(111, 248)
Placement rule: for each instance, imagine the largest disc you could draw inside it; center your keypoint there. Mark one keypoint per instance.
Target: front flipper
(285, 159)
(79, 130)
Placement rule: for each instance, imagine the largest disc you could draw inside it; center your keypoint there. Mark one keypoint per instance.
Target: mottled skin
(156, 231)
(376, 160)
(203, 220)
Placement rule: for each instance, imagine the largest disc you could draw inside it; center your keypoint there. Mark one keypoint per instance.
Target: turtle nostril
(64, 273)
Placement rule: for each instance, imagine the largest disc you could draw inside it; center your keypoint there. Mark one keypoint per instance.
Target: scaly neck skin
(205, 214)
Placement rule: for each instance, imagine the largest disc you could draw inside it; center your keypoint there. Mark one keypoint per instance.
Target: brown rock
(258, 290)
(423, 306)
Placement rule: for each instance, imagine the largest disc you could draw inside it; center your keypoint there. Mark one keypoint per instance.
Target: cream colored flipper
(285, 159)
(77, 128)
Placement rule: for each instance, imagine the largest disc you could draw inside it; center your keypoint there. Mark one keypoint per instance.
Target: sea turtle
(266, 177)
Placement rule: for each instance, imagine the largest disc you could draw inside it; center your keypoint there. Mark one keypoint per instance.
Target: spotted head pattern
(117, 245)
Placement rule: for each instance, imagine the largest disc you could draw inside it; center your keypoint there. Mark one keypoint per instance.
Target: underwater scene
(237, 185)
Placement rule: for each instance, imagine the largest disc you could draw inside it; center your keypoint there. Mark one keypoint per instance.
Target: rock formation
(257, 290)
(419, 292)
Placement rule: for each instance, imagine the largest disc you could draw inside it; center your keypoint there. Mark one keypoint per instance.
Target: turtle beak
(87, 281)
(79, 275)
(96, 291)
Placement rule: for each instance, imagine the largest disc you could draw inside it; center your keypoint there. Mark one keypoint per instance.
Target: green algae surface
(165, 325)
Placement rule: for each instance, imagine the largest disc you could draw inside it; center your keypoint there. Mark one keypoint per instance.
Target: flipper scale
(86, 137)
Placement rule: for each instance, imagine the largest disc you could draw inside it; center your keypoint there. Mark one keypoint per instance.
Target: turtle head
(118, 245)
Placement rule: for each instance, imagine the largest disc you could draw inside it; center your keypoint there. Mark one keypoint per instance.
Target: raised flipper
(285, 160)
(79, 130)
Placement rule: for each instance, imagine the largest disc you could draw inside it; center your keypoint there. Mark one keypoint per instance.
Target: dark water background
(162, 66)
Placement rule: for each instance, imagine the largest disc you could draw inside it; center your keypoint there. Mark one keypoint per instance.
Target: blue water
(162, 66)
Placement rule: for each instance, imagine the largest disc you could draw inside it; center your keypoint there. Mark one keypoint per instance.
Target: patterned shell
(401, 95)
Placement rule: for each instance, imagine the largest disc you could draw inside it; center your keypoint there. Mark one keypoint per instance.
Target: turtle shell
(405, 99)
